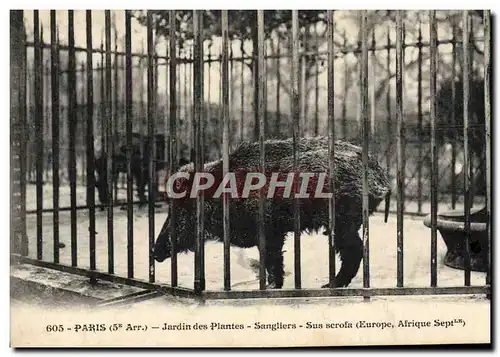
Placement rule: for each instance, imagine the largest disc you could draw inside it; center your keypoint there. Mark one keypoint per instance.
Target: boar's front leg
(274, 259)
(350, 249)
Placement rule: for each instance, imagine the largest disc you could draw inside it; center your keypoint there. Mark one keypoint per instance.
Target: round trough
(451, 226)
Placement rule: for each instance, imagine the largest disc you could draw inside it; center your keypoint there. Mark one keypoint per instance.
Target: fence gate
(89, 119)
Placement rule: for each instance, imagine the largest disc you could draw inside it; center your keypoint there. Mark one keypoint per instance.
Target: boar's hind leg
(274, 259)
(350, 248)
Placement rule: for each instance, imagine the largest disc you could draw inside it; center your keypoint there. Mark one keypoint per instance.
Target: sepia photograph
(250, 178)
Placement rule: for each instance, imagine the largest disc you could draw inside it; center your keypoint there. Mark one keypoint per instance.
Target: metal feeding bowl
(451, 226)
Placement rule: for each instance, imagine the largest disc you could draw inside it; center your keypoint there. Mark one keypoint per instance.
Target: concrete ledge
(50, 287)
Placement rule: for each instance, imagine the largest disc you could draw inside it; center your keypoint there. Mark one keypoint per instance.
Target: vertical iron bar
(454, 119)
(82, 151)
(179, 105)
(54, 85)
(189, 98)
(209, 60)
(296, 137)
(434, 167)
(388, 151)
(278, 87)
(366, 138)
(109, 140)
(331, 145)
(260, 83)
(173, 160)
(255, 72)
(372, 77)
(266, 119)
(345, 92)
(242, 80)
(143, 117)
(102, 111)
(72, 117)
(316, 83)
(198, 84)
(24, 249)
(128, 128)
(400, 150)
(419, 114)
(151, 145)
(231, 82)
(44, 94)
(487, 124)
(38, 134)
(90, 142)
(403, 138)
(467, 163)
(302, 90)
(187, 112)
(225, 147)
(115, 117)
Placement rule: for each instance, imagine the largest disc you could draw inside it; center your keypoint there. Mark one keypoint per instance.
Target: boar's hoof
(338, 284)
(272, 285)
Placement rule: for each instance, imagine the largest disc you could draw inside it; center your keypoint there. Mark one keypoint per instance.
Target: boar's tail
(387, 205)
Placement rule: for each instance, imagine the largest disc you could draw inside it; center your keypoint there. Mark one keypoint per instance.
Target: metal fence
(102, 99)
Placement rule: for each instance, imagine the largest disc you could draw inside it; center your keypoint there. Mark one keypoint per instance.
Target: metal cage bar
(198, 131)
(90, 143)
(454, 118)
(434, 158)
(487, 124)
(151, 154)
(128, 133)
(225, 147)
(296, 130)
(72, 127)
(420, 118)
(366, 137)
(260, 83)
(54, 85)
(38, 134)
(371, 85)
(388, 103)
(331, 147)
(114, 107)
(242, 99)
(109, 141)
(174, 147)
(400, 149)
(466, 129)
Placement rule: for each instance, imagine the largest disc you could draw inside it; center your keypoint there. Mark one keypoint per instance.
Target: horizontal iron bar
(214, 295)
(68, 208)
(130, 299)
(125, 297)
(180, 59)
(161, 288)
(121, 204)
(361, 292)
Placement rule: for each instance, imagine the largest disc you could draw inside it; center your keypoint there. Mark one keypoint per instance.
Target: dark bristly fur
(313, 157)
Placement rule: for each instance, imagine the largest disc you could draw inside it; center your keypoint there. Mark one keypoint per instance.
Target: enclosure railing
(414, 131)
(199, 126)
